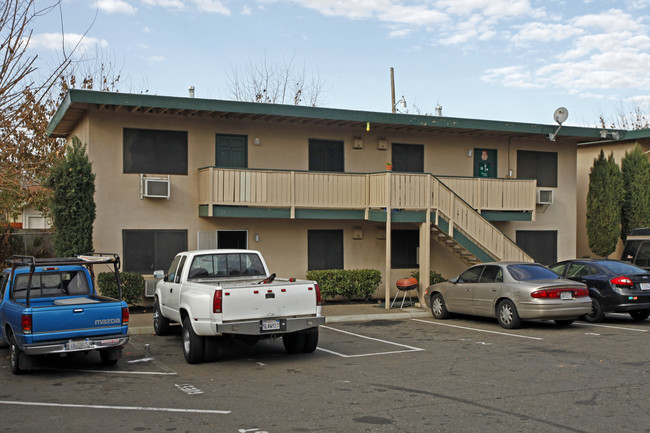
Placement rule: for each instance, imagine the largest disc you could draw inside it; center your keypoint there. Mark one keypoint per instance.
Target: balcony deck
(453, 203)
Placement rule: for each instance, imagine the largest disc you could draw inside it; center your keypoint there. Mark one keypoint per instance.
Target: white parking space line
(98, 406)
(145, 373)
(477, 329)
(624, 328)
(408, 348)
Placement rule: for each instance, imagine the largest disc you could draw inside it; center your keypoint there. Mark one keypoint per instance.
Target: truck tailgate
(71, 321)
(268, 300)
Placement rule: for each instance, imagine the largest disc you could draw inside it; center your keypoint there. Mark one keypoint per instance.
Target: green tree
(635, 211)
(73, 203)
(604, 201)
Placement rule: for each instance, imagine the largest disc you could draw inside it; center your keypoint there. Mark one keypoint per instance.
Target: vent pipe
(439, 110)
(191, 89)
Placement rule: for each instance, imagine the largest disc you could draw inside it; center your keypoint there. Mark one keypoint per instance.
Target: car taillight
(217, 301)
(557, 293)
(319, 298)
(125, 316)
(26, 323)
(621, 281)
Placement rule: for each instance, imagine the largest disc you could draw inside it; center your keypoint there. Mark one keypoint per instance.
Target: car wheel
(507, 315)
(563, 322)
(14, 356)
(160, 322)
(294, 342)
(192, 344)
(596, 314)
(311, 340)
(640, 314)
(108, 358)
(438, 307)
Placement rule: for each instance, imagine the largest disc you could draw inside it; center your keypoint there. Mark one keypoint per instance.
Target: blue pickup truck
(51, 306)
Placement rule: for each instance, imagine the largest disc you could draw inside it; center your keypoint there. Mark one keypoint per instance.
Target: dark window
(232, 239)
(149, 250)
(529, 272)
(326, 155)
(538, 165)
(404, 248)
(541, 245)
(491, 274)
(3, 284)
(155, 151)
(325, 249)
(471, 275)
(222, 265)
(408, 157)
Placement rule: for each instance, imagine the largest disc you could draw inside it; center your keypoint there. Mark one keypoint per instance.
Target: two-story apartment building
(309, 187)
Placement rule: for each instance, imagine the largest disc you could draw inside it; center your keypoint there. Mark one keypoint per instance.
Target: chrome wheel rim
(437, 306)
(506, 314)
(186, 340)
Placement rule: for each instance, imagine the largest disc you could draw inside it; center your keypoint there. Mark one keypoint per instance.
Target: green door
(485, 163)
(231, 151)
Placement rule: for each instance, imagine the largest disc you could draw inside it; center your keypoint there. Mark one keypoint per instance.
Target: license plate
(271, 325)
(645, 286)
(78, 345)
(566, 295)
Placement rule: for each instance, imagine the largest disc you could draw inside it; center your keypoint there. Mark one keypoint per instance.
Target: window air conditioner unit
(544, 196)
(150, 288)
(154, 186)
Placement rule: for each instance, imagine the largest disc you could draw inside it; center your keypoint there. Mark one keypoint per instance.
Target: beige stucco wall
(285, 146)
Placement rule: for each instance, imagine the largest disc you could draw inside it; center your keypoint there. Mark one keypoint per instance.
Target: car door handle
(171, 289)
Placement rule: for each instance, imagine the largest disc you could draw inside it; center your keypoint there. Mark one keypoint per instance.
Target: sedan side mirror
(454, 280)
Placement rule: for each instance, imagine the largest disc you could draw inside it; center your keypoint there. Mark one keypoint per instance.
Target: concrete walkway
(141, 323)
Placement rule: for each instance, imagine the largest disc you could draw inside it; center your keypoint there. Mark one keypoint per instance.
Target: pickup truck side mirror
(159, 275)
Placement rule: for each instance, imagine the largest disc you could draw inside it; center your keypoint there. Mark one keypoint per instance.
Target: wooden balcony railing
(365, 191)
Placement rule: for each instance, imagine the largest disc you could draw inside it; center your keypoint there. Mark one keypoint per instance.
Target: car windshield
(622, 268)
(526, 272)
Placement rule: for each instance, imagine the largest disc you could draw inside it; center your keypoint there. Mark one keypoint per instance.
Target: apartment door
(485, 163)
(231, 151)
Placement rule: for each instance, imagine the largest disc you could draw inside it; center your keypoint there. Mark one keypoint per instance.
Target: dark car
(614, 286)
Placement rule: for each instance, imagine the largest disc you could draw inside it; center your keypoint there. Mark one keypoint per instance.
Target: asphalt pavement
(141, 322)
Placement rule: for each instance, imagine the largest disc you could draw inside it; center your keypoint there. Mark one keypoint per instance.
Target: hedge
(351, 284)
(434, 277)
(132, 286)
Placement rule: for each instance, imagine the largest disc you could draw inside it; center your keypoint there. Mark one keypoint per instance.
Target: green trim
(249, 212)
(162, 103)
(330, 214)
(406, 216)
(443, 225)
(494, 215)
(377, 216)
(472, 247)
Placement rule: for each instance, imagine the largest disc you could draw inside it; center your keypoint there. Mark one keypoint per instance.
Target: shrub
(351, 284)
(434, 277)
(132, 286)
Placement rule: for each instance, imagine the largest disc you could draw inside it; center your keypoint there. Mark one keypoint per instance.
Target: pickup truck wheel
(294, 342)
(193, 344)
(14, 357)
(160, 322)
(311, 340)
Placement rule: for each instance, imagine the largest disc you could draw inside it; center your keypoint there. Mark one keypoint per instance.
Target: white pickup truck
(225, 294)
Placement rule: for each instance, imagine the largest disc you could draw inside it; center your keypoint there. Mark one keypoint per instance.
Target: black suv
(614, 286)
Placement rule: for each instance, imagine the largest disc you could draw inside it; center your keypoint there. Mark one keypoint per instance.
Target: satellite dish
(561, 115)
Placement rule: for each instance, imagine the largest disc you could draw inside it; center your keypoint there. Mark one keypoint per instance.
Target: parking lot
(463, 374)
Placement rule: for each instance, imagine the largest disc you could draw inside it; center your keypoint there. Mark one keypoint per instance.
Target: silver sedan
(511, 292)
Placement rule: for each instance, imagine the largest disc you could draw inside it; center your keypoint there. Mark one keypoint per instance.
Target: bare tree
(627, 116)
(270, 83)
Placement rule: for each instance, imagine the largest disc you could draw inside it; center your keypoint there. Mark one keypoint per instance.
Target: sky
(507, 60)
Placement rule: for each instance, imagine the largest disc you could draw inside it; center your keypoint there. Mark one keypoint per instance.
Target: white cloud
(493, 8)
(246, 10)
(543, 32)
(154, 59)
(167, 4)
(54, 41)
(511, 76)
(116, 6)
(212, 6)
(390, 11)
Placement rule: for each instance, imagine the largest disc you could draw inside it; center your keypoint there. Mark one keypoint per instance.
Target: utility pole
(392, 89)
